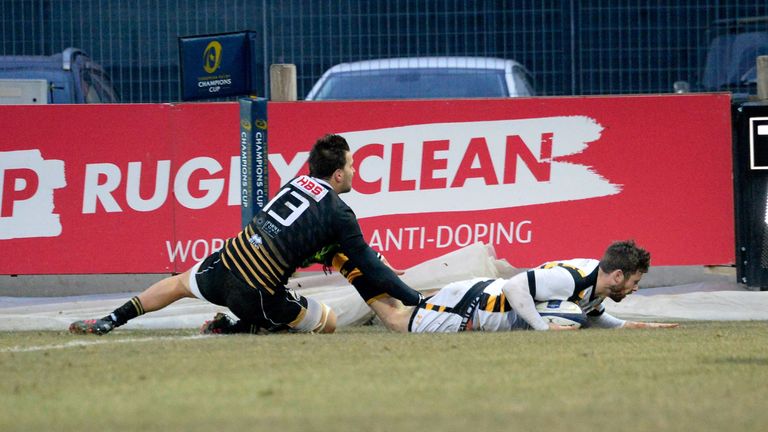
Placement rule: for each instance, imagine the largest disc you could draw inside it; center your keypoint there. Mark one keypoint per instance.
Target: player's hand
(556, 327)
(638, 324)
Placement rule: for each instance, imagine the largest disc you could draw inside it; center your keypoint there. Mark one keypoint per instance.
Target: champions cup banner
(154, 188)
(215, 66)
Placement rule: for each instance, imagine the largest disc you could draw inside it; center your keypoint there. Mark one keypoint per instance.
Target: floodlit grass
(700, 377)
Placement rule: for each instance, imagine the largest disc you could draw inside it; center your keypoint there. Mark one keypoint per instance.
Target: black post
(750, 177)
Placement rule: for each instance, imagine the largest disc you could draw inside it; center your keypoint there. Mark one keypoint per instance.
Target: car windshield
(414, 84)
(731, 59)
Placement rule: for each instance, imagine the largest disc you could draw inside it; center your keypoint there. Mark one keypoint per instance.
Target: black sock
(131, 309)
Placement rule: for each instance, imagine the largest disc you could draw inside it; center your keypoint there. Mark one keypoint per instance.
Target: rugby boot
(220, 324)
(93, 326)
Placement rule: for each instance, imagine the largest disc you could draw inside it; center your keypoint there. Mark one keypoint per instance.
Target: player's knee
(330, 323)
(318, 318)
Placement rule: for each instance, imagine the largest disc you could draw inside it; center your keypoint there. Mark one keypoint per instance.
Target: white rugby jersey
(573, 280)
(443, 312)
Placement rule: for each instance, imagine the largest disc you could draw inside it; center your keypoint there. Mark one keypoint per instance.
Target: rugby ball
(561, 312)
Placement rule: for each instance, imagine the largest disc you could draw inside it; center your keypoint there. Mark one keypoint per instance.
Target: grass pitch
(701, 376)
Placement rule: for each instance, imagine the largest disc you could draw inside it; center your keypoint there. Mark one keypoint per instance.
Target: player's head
(627, 257)
(624, 263)
(330, 159)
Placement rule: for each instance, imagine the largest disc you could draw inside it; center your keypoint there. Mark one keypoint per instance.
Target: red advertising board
(540, 179)
(153, 188)
(116, 188)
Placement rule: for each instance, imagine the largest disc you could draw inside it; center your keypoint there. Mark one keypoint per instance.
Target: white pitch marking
(97, 342)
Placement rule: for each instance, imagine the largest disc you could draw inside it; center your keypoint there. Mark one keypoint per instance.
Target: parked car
(69, 77)
(731, 61)
(423, 78)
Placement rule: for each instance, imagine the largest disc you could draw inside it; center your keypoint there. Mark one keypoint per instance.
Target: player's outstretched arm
(392, 313)
(639, 324)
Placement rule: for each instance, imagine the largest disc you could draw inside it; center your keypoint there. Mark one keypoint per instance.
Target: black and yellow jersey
(305, 216)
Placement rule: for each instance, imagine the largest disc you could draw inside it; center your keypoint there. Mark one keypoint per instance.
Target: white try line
(106, 340)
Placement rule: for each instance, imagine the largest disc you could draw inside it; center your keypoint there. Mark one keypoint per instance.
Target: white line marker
(79, 343)
(762, 129)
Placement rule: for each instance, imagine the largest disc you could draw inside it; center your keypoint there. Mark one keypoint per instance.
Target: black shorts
(215, 283)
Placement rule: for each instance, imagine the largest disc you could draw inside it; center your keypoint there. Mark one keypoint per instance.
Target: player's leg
(257, 310)
(316, 318)
(165, 292)
(156, 297)
(319, 318)
(260, 311)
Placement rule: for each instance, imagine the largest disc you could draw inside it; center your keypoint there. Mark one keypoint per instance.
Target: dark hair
(627, 257)
(328, 154)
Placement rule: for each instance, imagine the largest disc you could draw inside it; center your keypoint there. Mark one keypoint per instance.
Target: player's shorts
(210, 280)
(471, 305)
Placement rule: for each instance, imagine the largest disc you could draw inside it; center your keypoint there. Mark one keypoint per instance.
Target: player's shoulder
(584, 265)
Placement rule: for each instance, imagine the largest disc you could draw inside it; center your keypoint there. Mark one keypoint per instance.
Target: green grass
(700, 377)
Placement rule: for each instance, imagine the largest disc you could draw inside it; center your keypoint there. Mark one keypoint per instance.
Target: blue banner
(254, 172)
(215, 66)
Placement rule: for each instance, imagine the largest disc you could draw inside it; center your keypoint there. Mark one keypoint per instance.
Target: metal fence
(572, 47)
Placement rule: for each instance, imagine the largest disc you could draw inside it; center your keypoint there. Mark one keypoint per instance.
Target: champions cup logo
(27, 182)
(245, 124)
(468, 166)
(212, 57)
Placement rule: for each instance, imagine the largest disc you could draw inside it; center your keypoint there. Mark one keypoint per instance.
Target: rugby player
(509, 304)
(248, 274)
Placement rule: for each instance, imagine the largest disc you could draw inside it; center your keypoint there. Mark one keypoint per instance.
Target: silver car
(423, 78)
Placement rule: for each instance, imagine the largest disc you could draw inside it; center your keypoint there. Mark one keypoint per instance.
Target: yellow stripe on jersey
(224, 260)
(282, 266)
(273, 251)
(502, 302)
(253, 273)
(246, 250)
(245, 254)
(338, 260)
(341, 263)
(560, 264)
(491, 303)
(430, 306)
(275, 271)
(294, 323)
(380, 296)
(247, 279)
(245, 275)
